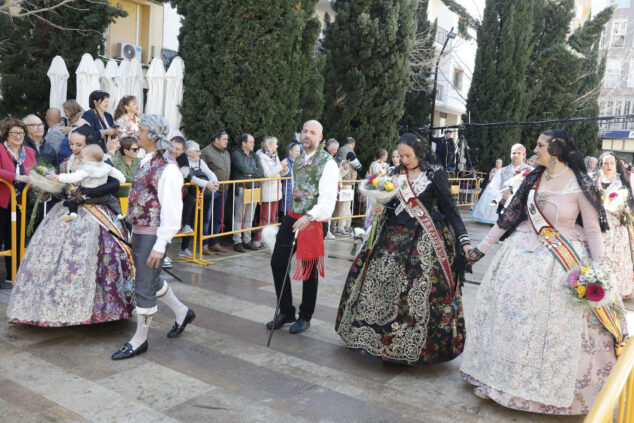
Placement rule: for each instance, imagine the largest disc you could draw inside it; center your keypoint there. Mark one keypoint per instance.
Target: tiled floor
(220, 370)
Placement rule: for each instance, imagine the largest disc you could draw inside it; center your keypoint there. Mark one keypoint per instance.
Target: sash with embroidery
(104, 220)
(566, 255)
(417, 210)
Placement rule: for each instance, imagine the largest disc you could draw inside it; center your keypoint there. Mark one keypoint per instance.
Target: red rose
(370, 179)
(613, 195)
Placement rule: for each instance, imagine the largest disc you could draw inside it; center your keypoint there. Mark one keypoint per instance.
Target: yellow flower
(585, 269)
(389, 186)
(375, 182)
(581, 291)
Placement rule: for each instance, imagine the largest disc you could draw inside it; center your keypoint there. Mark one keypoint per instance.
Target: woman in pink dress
(529, 345)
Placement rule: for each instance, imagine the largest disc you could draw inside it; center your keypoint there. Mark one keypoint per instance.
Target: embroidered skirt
(396, 303)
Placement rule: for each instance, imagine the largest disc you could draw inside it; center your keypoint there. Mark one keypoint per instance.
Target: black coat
(97, 125)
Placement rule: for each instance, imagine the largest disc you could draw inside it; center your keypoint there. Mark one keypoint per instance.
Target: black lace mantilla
(515, 213)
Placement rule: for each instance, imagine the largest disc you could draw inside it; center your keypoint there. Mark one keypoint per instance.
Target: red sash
(310, 249)
(417, 210)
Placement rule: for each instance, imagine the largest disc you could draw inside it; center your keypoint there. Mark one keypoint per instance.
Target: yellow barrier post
(619, 387)
(13, 253)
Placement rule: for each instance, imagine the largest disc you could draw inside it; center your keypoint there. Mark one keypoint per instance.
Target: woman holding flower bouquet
(79, 272)
(616, 192)
(401, 301)
(535, 342)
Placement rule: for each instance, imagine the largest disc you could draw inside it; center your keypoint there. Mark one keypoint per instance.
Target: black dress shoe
(299, 326)
(126, 351)
(178, 329)
(281, 320)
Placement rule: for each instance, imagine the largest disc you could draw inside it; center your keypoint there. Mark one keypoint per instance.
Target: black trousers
(279, 262)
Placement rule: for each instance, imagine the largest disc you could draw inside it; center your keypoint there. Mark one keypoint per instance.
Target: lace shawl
(515, 213)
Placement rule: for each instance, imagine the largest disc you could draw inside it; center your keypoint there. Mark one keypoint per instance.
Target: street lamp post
(450, 36)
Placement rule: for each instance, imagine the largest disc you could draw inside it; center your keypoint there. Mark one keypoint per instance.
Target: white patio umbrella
(124, 76)
(136, 83)
(111, 76)
(103, 85)
(174, 92)
(87, 79)
(156, 87)
(58, 74)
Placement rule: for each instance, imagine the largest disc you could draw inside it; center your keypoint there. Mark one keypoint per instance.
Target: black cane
(279, 300)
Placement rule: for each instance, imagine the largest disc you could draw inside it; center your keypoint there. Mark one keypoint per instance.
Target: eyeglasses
(194, 151)
(35, 125)
(135, 149)
(17, 134)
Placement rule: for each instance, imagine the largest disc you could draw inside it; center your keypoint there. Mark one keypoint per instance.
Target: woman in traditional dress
(618, 241)
(485, 210)
(531, 346)
(402, 301)
(77, 273)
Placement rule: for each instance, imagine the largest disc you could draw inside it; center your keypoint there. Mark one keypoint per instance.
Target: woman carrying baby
(80, 272)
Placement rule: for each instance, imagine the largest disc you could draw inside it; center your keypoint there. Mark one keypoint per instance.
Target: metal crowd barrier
(619, 387)
(13, 253)
(464, 190)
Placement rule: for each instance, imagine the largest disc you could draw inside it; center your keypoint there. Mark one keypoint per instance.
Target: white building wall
(172, 23)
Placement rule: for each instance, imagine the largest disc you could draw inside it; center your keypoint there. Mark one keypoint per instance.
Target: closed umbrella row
(165, 89)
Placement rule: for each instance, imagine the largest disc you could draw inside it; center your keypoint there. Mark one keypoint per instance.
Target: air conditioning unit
(129, 51)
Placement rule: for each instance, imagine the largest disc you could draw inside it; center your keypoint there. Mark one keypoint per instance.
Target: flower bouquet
(594, 288)
(378, 188)
(44, 180)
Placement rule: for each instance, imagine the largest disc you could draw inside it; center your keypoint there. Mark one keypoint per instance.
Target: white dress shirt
(328, 187)
(170, 185)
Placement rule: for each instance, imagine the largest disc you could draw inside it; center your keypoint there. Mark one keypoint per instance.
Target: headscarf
(157, 131)
(621, 173)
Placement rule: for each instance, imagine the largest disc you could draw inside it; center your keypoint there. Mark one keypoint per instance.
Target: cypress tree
(30, 45)
(247, 65)
(498, 88)
(418, 100)
(367, 70)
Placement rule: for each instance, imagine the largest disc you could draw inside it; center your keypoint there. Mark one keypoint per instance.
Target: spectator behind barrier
(99, 119)
(271, 190)
(127, 161)
(73, 112)
(245, 164)
(218, 159)
(15, 160)
(199, 174)
(293, 151)
(35, 140)
(54, 136)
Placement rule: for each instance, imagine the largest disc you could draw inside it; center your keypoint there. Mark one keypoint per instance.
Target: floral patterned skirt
(396, 303)
(531, 347)
(73, 273)
(618, 255)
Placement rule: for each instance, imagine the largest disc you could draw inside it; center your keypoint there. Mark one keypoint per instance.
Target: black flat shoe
(178, 329)
(281, 320)
(126, 351)
(299, 326)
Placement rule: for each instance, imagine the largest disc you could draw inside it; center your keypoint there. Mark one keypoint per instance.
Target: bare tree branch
(14, 8)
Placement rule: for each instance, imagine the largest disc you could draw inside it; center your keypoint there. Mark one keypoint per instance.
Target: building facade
(617, 89)
(150, 28)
